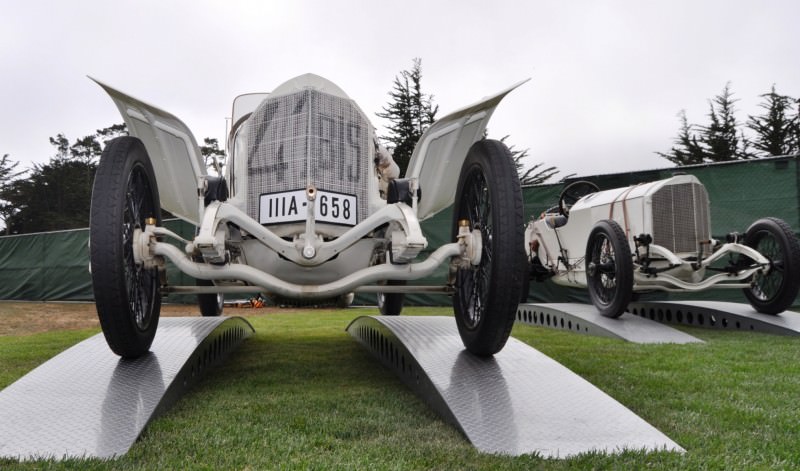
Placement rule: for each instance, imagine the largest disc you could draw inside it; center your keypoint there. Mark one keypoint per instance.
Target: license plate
(292, 206)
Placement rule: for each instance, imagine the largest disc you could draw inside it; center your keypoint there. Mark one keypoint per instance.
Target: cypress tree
(410, 112)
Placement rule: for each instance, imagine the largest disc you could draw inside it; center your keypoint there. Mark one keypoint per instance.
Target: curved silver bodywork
(305, 217)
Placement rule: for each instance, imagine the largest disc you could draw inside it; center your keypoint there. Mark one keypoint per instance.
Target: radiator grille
(308, 137)
(681, 217)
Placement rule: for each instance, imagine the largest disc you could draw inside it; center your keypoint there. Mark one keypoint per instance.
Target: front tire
(391, 304)
(127, 294)
(776, 291)
(609, 268)
(486, 295)
(211, 304)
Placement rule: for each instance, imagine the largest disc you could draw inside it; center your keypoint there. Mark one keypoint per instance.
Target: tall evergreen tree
(776, 129)
(410, 112)
(796, 127)
(686, 151)
(529, 175)
(87, 149)
(8, 172)
(54, 196)
(115, 130)
(57, 195)
(720, 138)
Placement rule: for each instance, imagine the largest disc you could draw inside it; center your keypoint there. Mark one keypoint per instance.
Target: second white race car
(657, 237)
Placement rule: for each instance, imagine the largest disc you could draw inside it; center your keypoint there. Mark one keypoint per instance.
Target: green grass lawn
(302, 394)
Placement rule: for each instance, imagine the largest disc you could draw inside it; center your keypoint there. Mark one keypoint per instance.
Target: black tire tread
(393, 303)
(508, 264)
(788, 292)
(624, 273)
(208, 302)
(108, 278)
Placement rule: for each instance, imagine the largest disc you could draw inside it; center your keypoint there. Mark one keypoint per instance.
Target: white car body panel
(630, 207)
(441, 151)
(681, 245)
(173, 150)
(244, 104)
(180, 173)
(237, 169)
(311, 210)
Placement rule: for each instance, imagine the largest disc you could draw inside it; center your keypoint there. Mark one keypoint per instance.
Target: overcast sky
(607, 77)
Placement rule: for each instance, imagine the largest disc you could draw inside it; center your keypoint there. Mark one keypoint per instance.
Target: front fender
(442, 149)
(173, 151)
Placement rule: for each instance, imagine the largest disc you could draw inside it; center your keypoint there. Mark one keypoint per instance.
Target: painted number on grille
(292, 206)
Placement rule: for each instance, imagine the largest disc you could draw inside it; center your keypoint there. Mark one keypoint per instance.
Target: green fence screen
(55, 265)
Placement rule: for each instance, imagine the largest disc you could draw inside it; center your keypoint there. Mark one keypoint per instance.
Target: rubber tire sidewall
(210, 304)
(623, 266)
(119, 158)
(791, 252)
(508, 255)
(391, 304)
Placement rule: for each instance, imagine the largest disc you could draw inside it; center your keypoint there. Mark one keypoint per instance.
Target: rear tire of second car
(774, 292)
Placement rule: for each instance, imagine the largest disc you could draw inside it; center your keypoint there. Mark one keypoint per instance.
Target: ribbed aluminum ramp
(718, 315)
(517, 402)
(87, 402)
(584, 319)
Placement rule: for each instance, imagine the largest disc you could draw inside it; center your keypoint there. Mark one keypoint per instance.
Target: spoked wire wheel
(609, 268)
(127, 293)
(775, 290)
(489, 199)
(474, 283)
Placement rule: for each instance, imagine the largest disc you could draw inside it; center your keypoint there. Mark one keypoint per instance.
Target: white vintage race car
(657, 237)
(310, 208)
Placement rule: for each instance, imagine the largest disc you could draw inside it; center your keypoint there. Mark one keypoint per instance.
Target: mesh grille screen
(308, 137)
(680, 217)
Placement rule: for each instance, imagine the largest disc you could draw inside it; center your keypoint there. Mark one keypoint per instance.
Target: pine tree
(87, 149)
(53, 196)
(720, 138)
(530, 175)
(776, 129)
(410, 112)
(57, 195)
(8, 172)
(687, 151)
(796, 127)
(720, 141)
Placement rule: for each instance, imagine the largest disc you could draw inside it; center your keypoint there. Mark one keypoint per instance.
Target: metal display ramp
(584, 319)
(517, 402)
(88, 402)
(718, 315)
